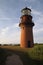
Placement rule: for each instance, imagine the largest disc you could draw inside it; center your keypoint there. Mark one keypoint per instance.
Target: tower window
(23, 27)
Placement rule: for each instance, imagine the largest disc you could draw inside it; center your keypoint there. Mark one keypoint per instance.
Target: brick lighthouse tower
(26, 26)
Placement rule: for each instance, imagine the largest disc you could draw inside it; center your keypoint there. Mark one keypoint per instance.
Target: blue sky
(10, 12)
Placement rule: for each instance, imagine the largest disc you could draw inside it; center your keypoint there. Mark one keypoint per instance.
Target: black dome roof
(25, 9)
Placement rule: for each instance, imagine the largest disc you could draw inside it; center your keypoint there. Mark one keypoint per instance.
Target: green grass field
(29, 56)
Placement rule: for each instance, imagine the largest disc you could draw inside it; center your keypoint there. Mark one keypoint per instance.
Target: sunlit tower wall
(26, 26)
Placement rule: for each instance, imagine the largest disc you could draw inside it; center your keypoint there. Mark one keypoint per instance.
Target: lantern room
(26, 11)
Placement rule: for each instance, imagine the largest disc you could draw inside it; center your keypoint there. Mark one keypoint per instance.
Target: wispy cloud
(35, 12)
(4, 31)
(10, 34)
(38, 28)
(32, 0)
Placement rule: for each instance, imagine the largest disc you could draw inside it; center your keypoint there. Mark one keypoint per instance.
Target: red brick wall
(26, 33)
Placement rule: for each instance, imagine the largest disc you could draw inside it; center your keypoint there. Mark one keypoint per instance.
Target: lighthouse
(26, 25)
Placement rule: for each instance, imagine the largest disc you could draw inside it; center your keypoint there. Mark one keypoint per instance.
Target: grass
(29, 56)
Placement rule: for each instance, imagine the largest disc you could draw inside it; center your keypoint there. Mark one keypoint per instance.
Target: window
(23, 27)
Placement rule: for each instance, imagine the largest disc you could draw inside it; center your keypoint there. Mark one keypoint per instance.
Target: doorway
(29, 43)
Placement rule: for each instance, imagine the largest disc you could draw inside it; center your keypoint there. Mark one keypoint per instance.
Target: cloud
(4, 30)
(3, 33)
(38, 28)
(7, 29)
(37, 16)
(10, 34)
(32, 1)
(16, 25)
(35, 12)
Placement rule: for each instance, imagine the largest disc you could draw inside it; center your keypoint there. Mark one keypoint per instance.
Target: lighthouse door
(29, 44)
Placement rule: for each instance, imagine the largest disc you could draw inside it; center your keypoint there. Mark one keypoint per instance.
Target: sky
(10, 13)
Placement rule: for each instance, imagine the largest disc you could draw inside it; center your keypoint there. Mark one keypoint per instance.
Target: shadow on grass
(24, 56)
(4, 53)
(3, 56)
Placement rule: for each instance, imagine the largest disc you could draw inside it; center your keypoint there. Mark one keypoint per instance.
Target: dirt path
(14, 60)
